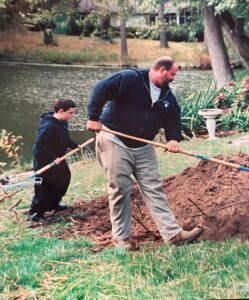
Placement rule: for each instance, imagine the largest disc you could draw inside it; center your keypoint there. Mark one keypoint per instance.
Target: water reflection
(28, 91)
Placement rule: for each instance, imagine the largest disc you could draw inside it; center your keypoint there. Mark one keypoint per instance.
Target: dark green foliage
(192, 122)
(233, 100)
(236, 120)
(187, 33)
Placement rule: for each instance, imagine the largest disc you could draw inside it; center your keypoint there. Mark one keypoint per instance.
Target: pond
(26, 91)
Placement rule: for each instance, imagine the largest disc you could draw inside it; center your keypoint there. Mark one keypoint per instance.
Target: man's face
(67, 115)
(169, 75)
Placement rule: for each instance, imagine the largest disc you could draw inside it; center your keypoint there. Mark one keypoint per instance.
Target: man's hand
(94, 126)
(173, 146)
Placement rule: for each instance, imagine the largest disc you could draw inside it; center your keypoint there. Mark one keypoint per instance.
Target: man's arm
(108, 89)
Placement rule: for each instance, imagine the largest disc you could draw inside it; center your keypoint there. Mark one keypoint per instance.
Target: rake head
(21, 185)
(84, 155)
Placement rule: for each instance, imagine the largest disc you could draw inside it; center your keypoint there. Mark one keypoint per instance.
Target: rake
(200, 156)
(34, 179)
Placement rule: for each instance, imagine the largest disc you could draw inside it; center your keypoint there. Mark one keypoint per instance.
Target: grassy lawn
(33, 266)
(28, 47)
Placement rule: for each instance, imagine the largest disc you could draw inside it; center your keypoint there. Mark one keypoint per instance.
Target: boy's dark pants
(54, 186)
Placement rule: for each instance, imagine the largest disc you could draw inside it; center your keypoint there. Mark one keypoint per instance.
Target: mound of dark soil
(211, 194)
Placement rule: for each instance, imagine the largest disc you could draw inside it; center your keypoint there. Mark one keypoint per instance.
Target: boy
(52, 141)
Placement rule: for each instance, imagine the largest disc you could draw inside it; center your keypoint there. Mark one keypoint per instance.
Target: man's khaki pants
(119, 164)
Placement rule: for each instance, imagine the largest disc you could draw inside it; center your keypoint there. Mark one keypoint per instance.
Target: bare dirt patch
(210, 194)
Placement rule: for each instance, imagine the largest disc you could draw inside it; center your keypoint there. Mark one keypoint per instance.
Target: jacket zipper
(151, 98)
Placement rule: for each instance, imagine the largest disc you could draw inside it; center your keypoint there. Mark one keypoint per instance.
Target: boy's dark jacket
(129, 107)
(52, 139)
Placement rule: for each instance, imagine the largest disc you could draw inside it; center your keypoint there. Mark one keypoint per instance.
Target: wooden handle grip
(45, 168)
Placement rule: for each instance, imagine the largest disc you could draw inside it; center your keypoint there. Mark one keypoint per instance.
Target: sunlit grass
(29, 47)
(68, 270)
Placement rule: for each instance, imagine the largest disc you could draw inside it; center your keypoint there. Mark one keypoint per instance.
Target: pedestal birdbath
(210, 114)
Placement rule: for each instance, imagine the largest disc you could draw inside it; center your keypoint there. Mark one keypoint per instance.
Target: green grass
(34, 265)
(59, 57)
(68, 270)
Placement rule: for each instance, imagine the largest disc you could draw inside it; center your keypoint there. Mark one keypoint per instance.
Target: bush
(11, 146)
(234, 101)
(235, 104)
(236, 120)
(173, 32)
(192, 122)
(236, 97)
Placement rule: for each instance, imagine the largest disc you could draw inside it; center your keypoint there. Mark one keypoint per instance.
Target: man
(137, 102)
(52, 141)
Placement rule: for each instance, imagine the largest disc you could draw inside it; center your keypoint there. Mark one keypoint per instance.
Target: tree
(159, 6)
(235, 32)
(14, 10)
(124, 11)
(216, 46)
(234, 16)
(162, 29)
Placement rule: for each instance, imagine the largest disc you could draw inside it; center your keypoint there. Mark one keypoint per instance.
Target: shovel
(204, 157)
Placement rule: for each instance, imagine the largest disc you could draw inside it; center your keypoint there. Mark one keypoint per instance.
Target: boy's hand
(57, 161)
(94, 125)
(173, 146)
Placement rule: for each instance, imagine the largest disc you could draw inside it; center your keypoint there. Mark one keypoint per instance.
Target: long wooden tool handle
(45, 168)
(200, 156)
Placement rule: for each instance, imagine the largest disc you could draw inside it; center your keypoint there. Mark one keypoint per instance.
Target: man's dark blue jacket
(129, 107)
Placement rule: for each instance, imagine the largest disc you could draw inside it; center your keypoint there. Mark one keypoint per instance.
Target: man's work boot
(124, 244)
(185, 237)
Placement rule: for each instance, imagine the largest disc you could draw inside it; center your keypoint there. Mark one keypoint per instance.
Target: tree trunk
(235, 32)
(105, 26)
(162, 29)
(216, 47)
(123, 41)
(48, 37)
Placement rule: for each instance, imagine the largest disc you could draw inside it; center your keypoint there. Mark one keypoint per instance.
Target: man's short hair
(64, 104)
(163, 61)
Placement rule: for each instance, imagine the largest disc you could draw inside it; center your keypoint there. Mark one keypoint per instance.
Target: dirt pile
(210, 194)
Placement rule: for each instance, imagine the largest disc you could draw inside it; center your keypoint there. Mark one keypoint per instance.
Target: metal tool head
(21, 185)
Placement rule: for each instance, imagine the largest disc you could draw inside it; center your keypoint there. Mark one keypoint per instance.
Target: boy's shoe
(35, 217)
(185, 237)
(61, 207)
(124, 244)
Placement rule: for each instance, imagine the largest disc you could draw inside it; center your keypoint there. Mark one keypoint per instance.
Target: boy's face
(67, 115)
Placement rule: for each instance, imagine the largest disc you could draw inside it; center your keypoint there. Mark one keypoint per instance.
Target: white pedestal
(210, 115)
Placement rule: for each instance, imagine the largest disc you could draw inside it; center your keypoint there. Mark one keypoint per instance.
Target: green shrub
(192, 122)
(173, 32)
(236, 96)
(236, 120)
(235, 104)
(233, 100)
(177, 33)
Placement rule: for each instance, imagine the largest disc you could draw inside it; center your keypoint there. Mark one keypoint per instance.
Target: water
(28, 91)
